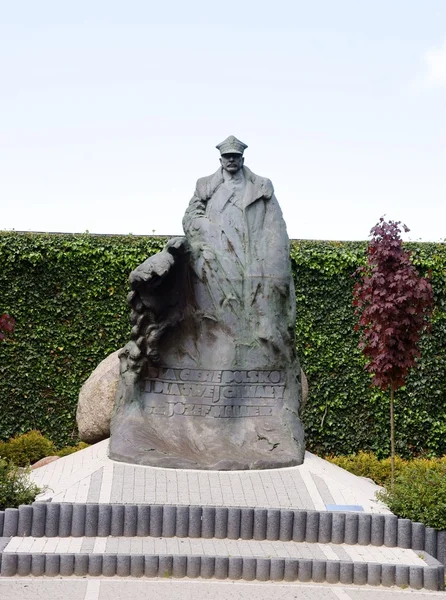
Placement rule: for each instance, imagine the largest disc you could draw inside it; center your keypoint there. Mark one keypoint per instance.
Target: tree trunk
(392, 439)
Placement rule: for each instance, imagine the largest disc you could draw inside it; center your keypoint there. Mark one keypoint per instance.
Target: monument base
(210, 419)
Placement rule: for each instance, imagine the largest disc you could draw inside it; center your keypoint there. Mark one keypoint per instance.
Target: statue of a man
(210, 378)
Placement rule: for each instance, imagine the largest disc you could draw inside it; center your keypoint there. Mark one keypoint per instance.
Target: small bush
(366, 464)
(27, 449)
(71, 449)
(419, 493)
(15, 486)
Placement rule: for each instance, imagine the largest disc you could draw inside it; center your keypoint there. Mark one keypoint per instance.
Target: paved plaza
(131, 589)
(90, 476)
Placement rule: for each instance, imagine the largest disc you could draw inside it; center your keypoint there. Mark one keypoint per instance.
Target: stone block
(179, 566)
(441, 547)
(24, 524)
(364, 529)
(277, 569)
(221, 567)
(345, 572)
(325, 527)
(338, 528)
(23, 564)
(430, 541)
(291, 569)
(165, 565)
(66, 568)
(208, 522)
(194, 521)
(312, 528)
(193, 566)
(259, 524)
(11, 522)
(95, 565)
(286, 525)
(247, 523)
(117, 520)
(122, 565)
(388, 575)
(104, 520)
(65, 519)
(249, 568)
(37, 565)
(91, 520)
(52, 565)
(156, 521)
(373, 574)
(305, 570)
(9, 564)
(263, 569)
(417, 542)
(39, 518)
(318, 571)
(78, 521)
(151, 566)
(182, 521)
(221, 522)
(143, 520)
(402, 575)
(207, 567)
(81, 565)
(234, 516)
(377, 530)
(431, 578)
(360, 573)
(169, 521)
(390, 531)
(52, 520)
(109, 563)
(404, 533)
(235, 567)
(415, 577)
(272, 524)
(351, 528)
(299, 525)
(332, 571)
(130, 520)
(137, 565)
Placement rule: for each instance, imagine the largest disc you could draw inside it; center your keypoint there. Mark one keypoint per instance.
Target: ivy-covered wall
(68, 296)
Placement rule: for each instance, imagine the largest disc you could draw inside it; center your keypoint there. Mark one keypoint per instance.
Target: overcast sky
(110, 111)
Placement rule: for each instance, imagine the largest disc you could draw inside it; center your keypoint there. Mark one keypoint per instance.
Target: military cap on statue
(231, 145)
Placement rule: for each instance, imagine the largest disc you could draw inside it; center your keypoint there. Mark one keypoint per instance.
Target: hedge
(68, 296)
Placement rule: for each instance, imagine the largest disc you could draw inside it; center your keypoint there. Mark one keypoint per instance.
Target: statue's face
(231, 162)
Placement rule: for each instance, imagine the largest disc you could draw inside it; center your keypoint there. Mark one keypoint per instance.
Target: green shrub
(366, 464)
(15, 486)
(419, 493)
(71, 449)
(27, 448)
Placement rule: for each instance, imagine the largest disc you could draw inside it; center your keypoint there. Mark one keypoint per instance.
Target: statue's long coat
(242, 272)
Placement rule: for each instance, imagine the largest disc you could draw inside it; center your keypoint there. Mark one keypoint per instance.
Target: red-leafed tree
(393, 303)
(7, 324)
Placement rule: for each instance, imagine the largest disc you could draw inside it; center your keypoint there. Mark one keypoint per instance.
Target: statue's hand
(177, 246)
(153, 270)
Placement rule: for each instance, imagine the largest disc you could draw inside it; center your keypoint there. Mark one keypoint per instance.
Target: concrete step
(221, 559)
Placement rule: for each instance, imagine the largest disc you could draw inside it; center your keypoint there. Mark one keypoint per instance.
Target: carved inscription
(213, 394)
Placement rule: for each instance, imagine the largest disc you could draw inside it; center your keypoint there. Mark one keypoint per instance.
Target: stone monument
(210, 378)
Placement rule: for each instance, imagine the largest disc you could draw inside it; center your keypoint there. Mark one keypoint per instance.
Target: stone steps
(221, 559)
(218, 542)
